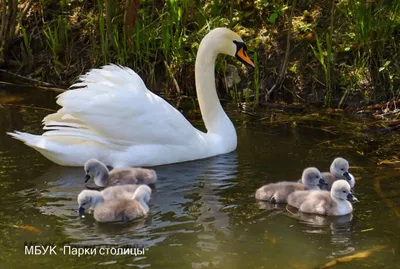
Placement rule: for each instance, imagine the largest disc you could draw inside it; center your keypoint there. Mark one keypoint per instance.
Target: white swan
(117, 120)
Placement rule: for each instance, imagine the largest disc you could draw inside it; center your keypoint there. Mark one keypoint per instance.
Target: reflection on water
(339, 228)
(185, 196)
(202, 214)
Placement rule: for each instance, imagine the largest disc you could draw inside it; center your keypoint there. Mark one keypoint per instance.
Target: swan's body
(278, 192)
(114, 118)
(110, 193)
(119, 176)
(119, 191)
(339, 170)
(333, 203)
(120, 209)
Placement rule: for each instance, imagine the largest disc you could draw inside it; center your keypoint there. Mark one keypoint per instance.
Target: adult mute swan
(114, 118)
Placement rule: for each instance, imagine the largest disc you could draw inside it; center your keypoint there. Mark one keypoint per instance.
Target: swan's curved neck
(102, 177)
(140, 197)
(144, 205)
(214, 117)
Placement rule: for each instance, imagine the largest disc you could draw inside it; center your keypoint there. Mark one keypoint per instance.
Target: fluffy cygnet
(339, 170)
(120, 176)
(333, 203)
(120, 209)
(119, 191)
(278, 192)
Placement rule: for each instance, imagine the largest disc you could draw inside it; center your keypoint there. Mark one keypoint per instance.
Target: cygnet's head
(87, 199)
(340, 168)
(312, 177)
(92, 168)
(223, 40)
(143, 192)
(341, 190)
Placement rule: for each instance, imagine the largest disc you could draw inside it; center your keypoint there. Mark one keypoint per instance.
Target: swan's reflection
(340, 228)
(185, 200)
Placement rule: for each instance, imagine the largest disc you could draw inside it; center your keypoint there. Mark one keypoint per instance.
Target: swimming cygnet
(120, 176)
(119, 191)
(339, 170)
(110, 193)
(278, 192)
(121, 209)
(333, 203)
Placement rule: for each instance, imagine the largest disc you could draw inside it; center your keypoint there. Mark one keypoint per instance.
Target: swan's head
(340, 168)
(311, 177)
(341, 190)
(142, 193)
(87, 199)
(93, 168)
(223, 40)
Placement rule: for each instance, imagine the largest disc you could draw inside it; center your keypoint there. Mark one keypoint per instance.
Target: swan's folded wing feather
(116, 105)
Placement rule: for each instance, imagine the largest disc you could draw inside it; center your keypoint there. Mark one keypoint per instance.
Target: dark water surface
(203, 213)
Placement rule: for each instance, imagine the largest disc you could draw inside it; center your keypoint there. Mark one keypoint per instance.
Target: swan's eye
(344, 191)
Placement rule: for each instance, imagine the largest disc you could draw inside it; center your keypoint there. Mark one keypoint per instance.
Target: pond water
(203, 213)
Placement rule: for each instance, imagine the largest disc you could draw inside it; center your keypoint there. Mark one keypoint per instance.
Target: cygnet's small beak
(81, 211)
(87, 177)
(347, 176)
(351, 197)
(322, 181)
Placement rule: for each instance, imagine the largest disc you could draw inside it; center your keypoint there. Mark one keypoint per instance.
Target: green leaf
(273, 17)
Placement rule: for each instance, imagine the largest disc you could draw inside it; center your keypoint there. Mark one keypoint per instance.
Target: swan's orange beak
(242, 55)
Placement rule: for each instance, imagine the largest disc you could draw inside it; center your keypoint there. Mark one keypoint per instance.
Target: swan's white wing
(116, 105)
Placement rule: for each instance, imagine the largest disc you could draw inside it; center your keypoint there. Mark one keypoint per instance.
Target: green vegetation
(333, 53)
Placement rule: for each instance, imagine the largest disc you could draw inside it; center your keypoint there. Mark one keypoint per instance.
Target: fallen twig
(178, 90)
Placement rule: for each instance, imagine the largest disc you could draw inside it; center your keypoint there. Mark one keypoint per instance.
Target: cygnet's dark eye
(342, 169)
(344, 191)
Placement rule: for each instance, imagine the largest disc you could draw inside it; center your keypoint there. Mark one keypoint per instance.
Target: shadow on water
(203, 213)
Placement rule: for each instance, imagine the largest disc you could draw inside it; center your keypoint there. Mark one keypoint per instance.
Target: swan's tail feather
(52, 125)
(63, 135)
(59, 132)
(28, 139)
(51, 149)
